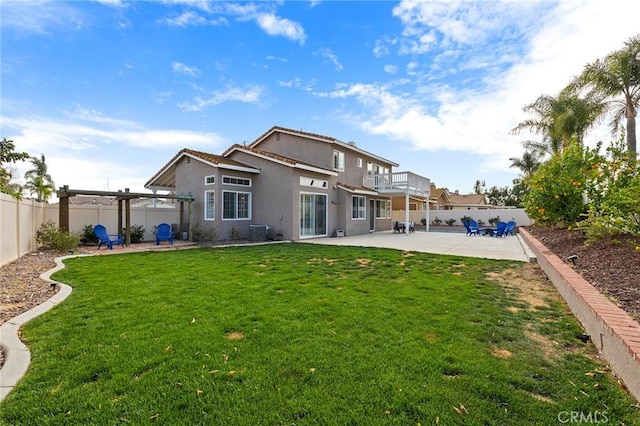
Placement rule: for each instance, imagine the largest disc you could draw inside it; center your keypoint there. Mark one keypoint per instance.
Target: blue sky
(110, 90)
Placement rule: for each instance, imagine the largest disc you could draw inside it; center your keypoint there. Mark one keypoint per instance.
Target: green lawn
(305, 334)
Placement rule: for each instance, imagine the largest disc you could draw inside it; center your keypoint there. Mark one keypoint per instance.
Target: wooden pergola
(122, 196)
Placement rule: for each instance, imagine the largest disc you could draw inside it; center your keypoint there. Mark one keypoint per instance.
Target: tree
(528, 164)
(479, 187)
(562, 119)
(615, 78)
(8, 155)
(39, 182)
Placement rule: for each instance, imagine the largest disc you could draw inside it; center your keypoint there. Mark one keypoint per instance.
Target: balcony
(400, 183)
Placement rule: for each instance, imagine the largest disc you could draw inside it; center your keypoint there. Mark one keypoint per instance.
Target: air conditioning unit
(258, 232)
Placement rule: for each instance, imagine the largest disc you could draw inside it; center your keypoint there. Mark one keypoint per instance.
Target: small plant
(50, 236)
(423, 221)
(450, 222)
(203, 235)
(88, 236)
(437, 221)
(493, 221)
(480, 223)
(467, 219)
(234, 234)
(137, 233)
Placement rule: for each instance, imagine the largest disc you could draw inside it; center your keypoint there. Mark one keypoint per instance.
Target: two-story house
(299, 184)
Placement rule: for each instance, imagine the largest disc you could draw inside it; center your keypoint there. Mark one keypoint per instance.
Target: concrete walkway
(454, 243)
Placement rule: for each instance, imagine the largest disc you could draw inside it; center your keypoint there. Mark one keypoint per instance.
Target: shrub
(423, 221)
(88, 236)
(494, 220)
(137, 233)
(202, 235)
(557, 193)
(467, 219)
(50, 236)
(450, 222)
(437, 221)
(614, 195)
(234, 234)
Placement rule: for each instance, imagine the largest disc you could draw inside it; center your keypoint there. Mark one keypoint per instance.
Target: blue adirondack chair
(473, 227)
(511, 225)
(500, 230)
(468, 228)
(105, 238)
(163, 233)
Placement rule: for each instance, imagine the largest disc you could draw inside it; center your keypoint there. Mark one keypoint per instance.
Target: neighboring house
(299, 184)
(443, 199)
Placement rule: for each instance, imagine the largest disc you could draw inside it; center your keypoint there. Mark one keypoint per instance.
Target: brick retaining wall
(612, 330)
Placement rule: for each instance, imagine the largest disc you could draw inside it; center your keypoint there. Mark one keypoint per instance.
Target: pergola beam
(64, 193)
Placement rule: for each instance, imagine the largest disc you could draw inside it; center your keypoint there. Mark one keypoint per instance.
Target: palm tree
(616, 78)
(561, 119)
(39, 182)
(528, 164)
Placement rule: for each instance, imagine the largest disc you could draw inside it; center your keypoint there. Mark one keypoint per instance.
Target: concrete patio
(509, 248)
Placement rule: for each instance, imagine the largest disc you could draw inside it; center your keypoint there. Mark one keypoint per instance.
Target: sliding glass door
(313, 215)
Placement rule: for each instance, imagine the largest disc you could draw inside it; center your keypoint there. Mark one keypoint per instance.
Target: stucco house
(299, 184)
(443, 199)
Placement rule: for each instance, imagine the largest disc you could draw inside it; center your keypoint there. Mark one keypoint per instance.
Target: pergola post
(63, 211)
(181, 220)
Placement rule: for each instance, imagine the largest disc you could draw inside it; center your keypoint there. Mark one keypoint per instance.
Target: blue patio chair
(475, 229)
(500, 230)
(511, 226)
(163, 233)
(105, 238)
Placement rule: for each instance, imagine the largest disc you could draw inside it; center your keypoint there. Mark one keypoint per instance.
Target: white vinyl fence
(19, 221)
(519, 215)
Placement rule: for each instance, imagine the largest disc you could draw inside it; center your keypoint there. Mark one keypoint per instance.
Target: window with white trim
(338, 161)
(236, 205)
(209, 180)
(359, 210)
(359, 162)
(209, 205)
(232, 180)
(383, 209)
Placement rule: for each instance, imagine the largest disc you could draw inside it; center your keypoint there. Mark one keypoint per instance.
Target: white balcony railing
(401, 182)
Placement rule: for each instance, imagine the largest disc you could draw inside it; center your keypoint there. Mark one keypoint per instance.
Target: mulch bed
(612, 266)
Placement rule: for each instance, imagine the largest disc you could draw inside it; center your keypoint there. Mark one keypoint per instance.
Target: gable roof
(277, 158)
(322, 138)
(165, 178)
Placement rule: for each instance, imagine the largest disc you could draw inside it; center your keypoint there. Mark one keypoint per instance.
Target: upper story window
(209, 180)
(359, 162)
(232, 180)
(338, 161)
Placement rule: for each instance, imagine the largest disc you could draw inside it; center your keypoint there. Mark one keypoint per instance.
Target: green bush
(50, 236)
(450, 222)
(467, 219)
(436, 222)
(493, 221)
(88, 236)
(137, 233)
(203, 235)
(614, 196)
(557, 193)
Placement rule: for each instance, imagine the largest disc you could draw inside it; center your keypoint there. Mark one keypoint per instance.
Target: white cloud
(331, 57)
(520, 64)
(184, 69)
(251, 95)
(276, 26)
(391, 69)
(41, 17)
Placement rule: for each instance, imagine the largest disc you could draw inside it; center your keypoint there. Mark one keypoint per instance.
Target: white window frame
(359, 211)
(338, 160)
(382, 209)
(211, 194)
(213, 180)
(236, 206)
(226, 181)
(359, 162)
